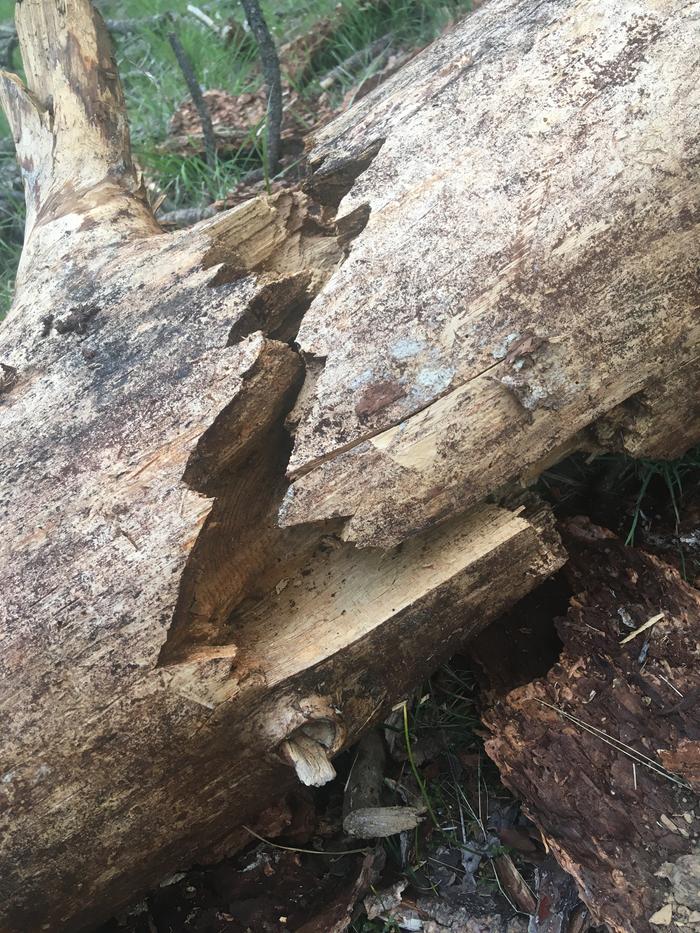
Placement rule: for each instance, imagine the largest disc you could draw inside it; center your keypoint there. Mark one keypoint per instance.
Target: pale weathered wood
(143, 458)
(167, 649)
(529, 262)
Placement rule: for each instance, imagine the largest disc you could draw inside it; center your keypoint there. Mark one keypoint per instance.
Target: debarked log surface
(252, 473)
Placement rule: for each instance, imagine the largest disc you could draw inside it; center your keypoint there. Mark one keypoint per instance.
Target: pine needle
(276, 845)
(642, 628)
(621, 747)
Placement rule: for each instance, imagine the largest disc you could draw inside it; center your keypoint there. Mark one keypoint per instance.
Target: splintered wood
(250, 471)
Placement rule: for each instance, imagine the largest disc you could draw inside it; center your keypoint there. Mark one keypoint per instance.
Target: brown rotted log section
(251, 472)
(605, 750)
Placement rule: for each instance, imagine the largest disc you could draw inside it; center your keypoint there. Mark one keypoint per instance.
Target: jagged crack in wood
(527, 268)
(429, 319)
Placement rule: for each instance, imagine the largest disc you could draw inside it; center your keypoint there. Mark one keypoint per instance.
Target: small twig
(186, 216)
(125, 27)
(642, 628)
(203, 18)
(355, 61)
(222, 31)
(122, 27)
(276, 845)
(271, 71)
(197, 98)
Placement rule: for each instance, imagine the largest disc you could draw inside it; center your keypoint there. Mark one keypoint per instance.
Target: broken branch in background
(206, 20)
(185, 216)
(364, 816)
(195, 90)
(355, 61)
(271, 71)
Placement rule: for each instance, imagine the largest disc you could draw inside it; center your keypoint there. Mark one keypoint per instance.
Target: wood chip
(662, 917)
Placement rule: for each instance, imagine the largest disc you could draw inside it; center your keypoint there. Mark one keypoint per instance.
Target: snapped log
(254, 473)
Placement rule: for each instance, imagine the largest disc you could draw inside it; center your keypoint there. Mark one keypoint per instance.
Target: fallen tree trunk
(191, 608)
(605, 751)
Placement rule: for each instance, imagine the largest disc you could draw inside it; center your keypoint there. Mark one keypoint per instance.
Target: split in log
(245, 466)
(605, 751)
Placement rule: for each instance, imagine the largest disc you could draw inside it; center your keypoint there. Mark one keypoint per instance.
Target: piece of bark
(596, 784)
(163, 639)
(380, 822)
(513, 884)
(558, 905)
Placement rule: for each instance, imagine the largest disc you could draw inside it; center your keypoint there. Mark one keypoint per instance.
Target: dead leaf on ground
(233, 116)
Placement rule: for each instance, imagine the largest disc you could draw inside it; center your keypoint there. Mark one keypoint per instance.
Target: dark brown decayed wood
(620, 827)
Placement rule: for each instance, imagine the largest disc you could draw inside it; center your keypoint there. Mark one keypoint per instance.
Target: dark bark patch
(377, 397)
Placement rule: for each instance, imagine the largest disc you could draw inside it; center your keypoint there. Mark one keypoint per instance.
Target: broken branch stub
(178, 623)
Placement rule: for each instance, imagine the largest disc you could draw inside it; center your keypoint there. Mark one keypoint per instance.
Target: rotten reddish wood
(604, 751)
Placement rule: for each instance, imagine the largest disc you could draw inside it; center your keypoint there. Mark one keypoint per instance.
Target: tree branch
(69, 124)
(200, 104)
(271, 70)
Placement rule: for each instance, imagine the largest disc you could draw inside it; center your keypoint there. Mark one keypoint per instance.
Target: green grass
(154, 85)
(363, 925)
(672, 474)
(579, 478)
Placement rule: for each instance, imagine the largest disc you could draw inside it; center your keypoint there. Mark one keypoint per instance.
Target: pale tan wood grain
(180, 627)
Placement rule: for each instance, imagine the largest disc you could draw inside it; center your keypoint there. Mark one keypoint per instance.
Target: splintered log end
(308, 755)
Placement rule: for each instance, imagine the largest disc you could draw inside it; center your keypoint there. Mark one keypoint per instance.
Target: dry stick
(204, 19)
(197, 98)
(357, 59)
(123, 27)
(271, 71)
